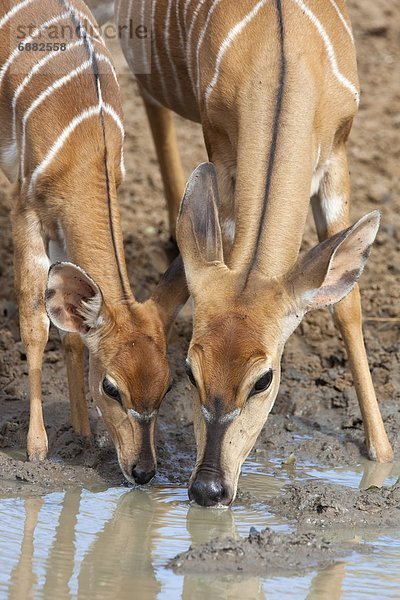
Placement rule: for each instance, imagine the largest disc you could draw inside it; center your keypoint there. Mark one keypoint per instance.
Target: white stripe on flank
(196, 13)
(201, 40)
(32, 72)
(341, 17)
(156, 56)
(28, 39)
(57, 84)
(329, 49)
(228, 41)
(13, 11)
(167, 40)
(185, 11)
(67, 132)
(178, 21)
(62, 138)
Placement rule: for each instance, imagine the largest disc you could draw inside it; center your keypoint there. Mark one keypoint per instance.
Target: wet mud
(316, 417)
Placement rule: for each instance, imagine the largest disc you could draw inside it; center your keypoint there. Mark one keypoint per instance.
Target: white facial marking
(227, 43)
(224, 419)
(329, 49)
(99, 411)
(230, 416)
(142, 417)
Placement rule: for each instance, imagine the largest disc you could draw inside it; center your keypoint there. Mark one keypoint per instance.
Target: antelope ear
(198, 229)
(329, 271)
(73, 300)
(171, 293)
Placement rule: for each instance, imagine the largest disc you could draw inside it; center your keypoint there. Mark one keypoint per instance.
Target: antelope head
(128, 367)
(241, 325)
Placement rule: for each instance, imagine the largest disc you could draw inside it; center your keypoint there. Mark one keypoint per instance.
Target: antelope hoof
(37, 447)
(382, 453)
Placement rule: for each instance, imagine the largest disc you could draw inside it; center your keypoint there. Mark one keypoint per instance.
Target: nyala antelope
(61, 142)
(274, 85)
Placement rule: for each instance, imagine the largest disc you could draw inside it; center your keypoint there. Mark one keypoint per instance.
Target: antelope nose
(141, 476)
(208, 490)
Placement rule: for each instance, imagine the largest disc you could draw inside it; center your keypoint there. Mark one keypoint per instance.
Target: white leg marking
(341, 17)
(317, 178)
(9, 160)
(332, 208)
(201, 40)
(13, 11)
(228, 41)
(329, 49)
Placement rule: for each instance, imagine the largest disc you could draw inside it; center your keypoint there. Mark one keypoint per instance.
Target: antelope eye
(262, 384)
(190, 375)
(111, 390)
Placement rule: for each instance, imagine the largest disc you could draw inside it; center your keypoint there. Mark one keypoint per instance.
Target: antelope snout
(142, 475)
(209, 489)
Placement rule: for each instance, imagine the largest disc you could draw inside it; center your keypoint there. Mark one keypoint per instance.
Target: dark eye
(190, 375)
(111, 390)
(262, 384)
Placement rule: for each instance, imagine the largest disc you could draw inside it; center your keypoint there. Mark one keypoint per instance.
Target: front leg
(331, 214)
(31, 266)
(74, 356)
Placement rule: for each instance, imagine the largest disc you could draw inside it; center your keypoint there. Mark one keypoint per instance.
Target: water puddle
(113, 544)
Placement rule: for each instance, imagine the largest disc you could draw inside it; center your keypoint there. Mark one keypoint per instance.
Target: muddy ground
(316, 416)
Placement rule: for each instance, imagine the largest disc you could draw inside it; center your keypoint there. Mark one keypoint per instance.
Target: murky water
(113, 544)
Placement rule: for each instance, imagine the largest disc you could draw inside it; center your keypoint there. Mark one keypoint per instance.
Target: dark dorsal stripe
(96, 73)
(274, 142)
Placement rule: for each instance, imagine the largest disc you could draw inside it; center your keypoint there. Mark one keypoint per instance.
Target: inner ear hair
(73, 300)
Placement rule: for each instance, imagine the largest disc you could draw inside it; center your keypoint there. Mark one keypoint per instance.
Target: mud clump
(261, 553)
(315, 503)
(19, 478)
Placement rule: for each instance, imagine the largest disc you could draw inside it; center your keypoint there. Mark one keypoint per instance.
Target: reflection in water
(119, 562)
(61, 559)
(220, 523)
(327, 584)
(113, 545)
(23, 577)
